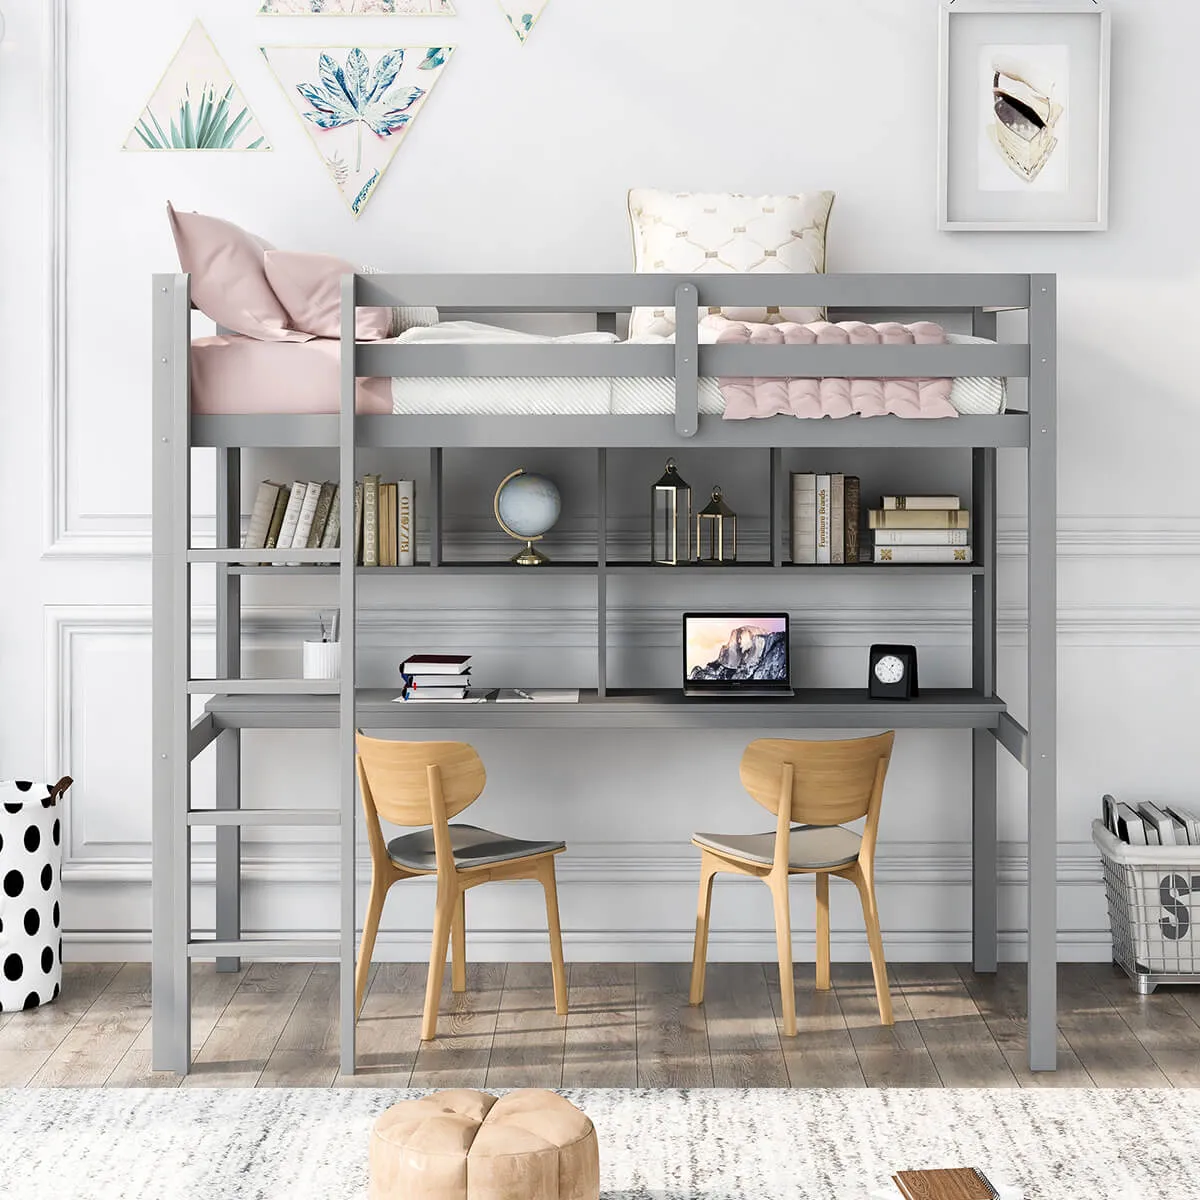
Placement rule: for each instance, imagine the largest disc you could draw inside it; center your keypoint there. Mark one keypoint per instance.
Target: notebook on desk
(736, 654)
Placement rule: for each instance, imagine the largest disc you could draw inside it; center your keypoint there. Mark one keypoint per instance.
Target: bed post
(687, 354)
(347, 440)
(1042, 916)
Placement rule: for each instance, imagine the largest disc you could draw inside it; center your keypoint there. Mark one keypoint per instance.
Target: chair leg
(379, 891)
(458, 946)
(557, 966)
(708, 870)
(883, 995)
(783, 940)
(822, 931)
(443, 917)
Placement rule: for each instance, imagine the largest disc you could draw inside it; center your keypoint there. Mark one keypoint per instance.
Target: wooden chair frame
(805, 782)
(453, 779)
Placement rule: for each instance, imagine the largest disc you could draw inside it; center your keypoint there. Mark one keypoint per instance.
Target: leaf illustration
(435, 57)
(352, 96)
(204, 124)
(364, 192)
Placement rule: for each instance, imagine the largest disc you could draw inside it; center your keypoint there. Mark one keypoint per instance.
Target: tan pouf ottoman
(466, 1145)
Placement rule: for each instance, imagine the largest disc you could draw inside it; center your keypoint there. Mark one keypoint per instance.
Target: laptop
(736, 654)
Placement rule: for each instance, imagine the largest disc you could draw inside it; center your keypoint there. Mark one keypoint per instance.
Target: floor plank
(743, 1038)
(307, 1053)
(1159, 1022)
(958, 1039)
(1107, 1047)
(672, 1039)
(389, 1027)
(211, 993)
(460, 1054)
(530, 1037)
(29, 1039)
(1000, 999)
(87, 1056)
(822, 1052)
(889, 1055)
(246, 1033)
(600, 1048)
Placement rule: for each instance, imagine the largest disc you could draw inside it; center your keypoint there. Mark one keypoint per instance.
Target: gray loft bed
(240, 704)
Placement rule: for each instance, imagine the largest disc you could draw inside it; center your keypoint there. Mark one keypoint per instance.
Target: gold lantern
(716, 531)
(671, 519)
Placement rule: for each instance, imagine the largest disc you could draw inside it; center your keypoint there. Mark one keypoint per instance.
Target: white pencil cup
(322, 660)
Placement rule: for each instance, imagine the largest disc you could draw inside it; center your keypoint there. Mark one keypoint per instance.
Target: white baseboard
(1080, 945)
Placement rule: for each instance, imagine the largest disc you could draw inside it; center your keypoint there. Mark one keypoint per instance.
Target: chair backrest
(396, 778)
(832, 782)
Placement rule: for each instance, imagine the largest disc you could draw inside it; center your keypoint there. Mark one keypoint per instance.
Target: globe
(527, 507)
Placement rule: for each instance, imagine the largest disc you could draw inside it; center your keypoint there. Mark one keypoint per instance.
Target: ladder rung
(252, 948)
(263, 687)
(264, 816)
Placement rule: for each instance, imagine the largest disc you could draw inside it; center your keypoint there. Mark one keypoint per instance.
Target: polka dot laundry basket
(30, 892)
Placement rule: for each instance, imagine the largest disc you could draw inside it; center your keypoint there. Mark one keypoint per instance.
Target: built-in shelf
(738, 570)
(810, 708)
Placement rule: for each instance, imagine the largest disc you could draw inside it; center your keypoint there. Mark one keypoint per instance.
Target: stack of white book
(921, 529)
(825, 519)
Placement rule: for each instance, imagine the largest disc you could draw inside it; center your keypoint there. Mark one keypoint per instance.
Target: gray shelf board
(840, 571)
(486, 568)
(278, 558)
(303, 569)
(263, 687)
(1001, 431)
(836, 708)
(625, 361)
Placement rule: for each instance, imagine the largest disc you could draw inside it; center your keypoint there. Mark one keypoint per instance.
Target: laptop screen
(729, 649)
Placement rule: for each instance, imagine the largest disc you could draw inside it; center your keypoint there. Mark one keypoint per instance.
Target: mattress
(235, 374)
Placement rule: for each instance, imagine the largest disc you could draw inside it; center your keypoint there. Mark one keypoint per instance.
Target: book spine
(371, 521)
(287, 530)
(853, 515)
(920, 519)
(320, 516)
(331, 535)
(823, 519)
(389, 540)
(308, 513)
(903, 503)
(406, 542)
(921, 537)
(837, 519)
(282, 500)
(804, 518)
(358, 524)
(260, 516)
(923, 554)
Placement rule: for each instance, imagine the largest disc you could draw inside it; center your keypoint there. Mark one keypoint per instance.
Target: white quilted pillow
(688, 233)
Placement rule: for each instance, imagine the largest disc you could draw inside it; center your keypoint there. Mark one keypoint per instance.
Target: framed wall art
(357, 8)
(1023, 104)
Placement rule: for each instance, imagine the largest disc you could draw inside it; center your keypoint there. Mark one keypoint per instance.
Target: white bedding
(590, 397)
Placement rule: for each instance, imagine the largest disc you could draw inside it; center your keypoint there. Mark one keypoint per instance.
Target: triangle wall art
(197, 105)
(357, 104)
(523, 15)
(357, 8)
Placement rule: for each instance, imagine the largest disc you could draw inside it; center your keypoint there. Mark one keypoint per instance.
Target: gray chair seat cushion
(812, 846)
(473, 847)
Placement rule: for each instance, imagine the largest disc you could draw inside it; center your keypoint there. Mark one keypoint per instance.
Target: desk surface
(833, 708)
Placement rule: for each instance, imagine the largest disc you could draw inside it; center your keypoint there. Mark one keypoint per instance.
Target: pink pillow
(229, 281)
(310, 287)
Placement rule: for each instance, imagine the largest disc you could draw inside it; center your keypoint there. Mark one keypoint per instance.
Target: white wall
(521, 161)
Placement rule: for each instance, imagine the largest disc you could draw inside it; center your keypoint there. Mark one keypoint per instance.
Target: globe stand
(530, 556)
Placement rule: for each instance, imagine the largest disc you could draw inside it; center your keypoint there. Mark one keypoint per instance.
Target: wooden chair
(427, 783)
(821, 785)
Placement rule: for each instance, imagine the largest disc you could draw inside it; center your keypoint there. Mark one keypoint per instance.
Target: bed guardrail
(686, 360)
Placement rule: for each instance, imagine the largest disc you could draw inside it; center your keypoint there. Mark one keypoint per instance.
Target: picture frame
(1023, 114)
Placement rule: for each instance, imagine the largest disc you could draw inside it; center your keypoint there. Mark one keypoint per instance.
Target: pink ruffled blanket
(761, 397)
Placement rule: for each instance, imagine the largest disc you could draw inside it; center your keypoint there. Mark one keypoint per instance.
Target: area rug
(289, 1144)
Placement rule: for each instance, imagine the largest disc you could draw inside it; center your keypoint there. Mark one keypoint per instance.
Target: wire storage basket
(1153, 908)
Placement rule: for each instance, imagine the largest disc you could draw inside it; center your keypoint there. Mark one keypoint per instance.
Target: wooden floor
(276, 1025)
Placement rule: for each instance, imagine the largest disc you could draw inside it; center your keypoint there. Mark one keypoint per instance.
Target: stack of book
(921, 529)
(384, 523)
(436, 676)
(825, 519)
(294, 516)
(1149, 824)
